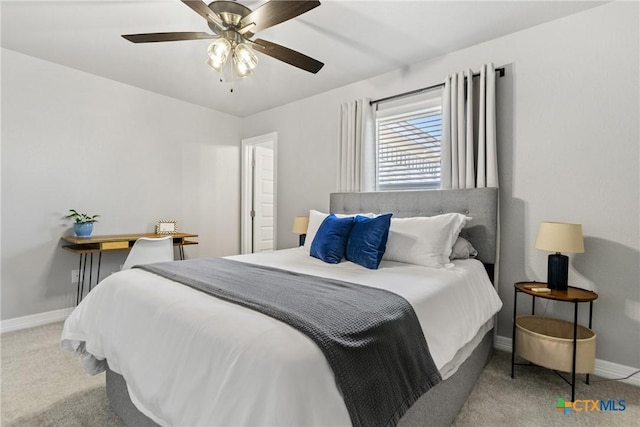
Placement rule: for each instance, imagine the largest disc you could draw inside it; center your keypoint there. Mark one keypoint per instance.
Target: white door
(263, 186)
(259, 198)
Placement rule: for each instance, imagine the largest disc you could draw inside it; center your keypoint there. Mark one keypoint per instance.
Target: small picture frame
(166, 227)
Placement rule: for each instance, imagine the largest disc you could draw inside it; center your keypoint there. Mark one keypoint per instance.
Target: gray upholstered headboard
(481, 204)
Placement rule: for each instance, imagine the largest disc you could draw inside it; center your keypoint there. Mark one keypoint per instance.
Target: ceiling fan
(234, 26)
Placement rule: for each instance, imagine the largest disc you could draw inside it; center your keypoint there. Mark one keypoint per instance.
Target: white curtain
(356, 171)
(469, 156)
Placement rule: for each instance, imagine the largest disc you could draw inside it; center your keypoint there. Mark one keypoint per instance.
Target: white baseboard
(39, 319)
(603, 368)
(502, 343)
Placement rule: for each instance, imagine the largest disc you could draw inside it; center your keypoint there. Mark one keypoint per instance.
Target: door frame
(246, 183)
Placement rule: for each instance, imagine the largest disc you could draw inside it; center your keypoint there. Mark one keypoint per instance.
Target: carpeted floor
(530, 399)
(43, 385)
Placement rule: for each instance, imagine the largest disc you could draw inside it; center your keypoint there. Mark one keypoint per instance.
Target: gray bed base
(440, 405)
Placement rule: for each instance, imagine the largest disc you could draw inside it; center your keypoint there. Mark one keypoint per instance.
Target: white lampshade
(560, 237)
(300, 224)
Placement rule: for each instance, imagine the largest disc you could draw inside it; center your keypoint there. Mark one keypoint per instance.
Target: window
(408, 146)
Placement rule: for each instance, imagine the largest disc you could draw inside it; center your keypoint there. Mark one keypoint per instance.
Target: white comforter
(191, 359)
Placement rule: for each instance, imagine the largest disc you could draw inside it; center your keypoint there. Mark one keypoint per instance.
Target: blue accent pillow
(330, 242)
(368, 240)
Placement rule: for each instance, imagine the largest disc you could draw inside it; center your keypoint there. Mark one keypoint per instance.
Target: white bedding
(191, 359)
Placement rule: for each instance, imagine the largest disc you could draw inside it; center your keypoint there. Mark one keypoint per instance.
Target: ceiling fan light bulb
(242, 54)
(219, 50)
(216, 65)
(242, 70)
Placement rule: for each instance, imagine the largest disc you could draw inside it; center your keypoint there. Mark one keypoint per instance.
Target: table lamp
(300, 224)
(559, 237)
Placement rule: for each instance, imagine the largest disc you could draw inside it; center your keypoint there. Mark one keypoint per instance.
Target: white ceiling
(355, 39)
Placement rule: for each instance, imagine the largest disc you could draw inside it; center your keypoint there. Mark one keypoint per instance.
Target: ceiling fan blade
(166, 37)
(275, 12)
(203, 10)
(287, 55)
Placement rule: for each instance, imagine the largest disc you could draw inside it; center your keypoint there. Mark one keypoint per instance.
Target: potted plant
(83, 226)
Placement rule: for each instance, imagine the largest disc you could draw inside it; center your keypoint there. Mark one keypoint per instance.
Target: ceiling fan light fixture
(218, 51)
(215, 65)
(244, 60)
(242, 71)
(242, 54)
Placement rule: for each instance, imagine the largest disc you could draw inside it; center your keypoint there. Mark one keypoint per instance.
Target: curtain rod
(499, 71)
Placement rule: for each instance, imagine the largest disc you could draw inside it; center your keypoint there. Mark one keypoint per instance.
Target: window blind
(409, 150)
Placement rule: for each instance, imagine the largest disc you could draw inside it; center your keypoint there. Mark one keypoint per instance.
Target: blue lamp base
(558, 271)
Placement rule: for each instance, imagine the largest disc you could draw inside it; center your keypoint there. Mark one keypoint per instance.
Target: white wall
(75, 140)
(568, 139)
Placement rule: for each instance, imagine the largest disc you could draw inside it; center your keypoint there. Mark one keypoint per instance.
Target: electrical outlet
(75, 276)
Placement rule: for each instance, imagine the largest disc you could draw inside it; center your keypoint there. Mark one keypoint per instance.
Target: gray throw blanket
(371, 337)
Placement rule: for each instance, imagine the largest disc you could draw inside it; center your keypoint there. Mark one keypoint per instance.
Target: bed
(176, 357)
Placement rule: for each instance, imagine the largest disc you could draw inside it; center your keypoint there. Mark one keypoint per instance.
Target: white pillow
(316, 218)
(424, 241)
(462, 249)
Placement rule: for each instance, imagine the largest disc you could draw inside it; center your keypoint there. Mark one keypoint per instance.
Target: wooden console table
(87, 246)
